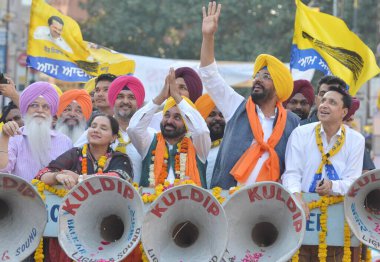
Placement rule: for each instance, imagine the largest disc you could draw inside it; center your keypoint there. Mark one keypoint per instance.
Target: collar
(339, 133)
(261, 114)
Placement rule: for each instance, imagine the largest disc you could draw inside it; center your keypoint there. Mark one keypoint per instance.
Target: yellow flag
(56, 48)
(325, 43)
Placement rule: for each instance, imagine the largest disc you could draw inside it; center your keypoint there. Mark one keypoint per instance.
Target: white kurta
(142, 137)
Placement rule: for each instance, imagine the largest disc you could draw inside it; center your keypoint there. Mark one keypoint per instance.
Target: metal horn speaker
(100, 219)
(362, 208)
(185, 223)
(265, 223)
(23, 217)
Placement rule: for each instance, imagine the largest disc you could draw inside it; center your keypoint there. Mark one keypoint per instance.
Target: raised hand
(164, 94)
(173, 87)
(210, 18)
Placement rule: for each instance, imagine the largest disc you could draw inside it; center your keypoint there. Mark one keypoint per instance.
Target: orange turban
(282, 79)
(79, 95)
(205, 105)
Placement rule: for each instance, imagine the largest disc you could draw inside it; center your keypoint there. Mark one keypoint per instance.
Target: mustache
(169, 125)
(218, 122)
(124, 104)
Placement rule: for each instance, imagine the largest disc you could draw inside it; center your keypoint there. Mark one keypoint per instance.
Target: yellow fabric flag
(56, 48)
(325, 43)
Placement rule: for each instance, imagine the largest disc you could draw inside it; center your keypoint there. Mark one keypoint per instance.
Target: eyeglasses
(35, 106)
(263, 76)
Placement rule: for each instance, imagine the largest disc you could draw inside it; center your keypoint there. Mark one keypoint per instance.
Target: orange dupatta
(270, 171)
(191, 162)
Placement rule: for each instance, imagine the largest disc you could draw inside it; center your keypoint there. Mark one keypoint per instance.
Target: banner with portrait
(56, 48)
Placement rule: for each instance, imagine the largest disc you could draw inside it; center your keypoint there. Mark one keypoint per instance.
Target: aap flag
(325, 43)
(56, 48)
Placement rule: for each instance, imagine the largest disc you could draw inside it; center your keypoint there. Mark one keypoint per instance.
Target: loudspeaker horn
(362, 208)
(265, 223)
(185, 223)
(100, 219)
(23, 218)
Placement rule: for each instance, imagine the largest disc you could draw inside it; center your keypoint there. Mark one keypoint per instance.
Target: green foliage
(172, 29)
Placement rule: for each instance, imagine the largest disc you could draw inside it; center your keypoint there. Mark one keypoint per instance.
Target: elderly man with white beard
(26, 150)
(74, 110)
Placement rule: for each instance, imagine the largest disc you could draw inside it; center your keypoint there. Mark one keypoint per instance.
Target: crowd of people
(282, 132)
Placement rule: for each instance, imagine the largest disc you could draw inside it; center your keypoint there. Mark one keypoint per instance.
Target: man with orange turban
(257, 130)
(180, 150)
(74, 110)
(216, 124)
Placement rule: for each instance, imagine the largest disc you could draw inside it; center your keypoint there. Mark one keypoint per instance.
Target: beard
(38, 132)
(175, 133)
(302, 114)
(73, 132)
(216, 130)
(124, 115)
(262, 97)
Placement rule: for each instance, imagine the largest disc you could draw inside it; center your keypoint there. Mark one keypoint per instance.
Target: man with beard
(301, 100)
(24, 151)
(74, 110)
(216, 124)
(125, 95)
(257, 130)
(171, 154)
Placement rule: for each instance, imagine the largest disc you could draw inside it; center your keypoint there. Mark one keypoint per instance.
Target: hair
(113, 122)
(105, 77)
(55, 18)
(331, 80)
(6, 110)
(347, 99)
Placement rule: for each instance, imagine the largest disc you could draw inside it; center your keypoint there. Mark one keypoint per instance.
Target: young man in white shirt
(324, 157)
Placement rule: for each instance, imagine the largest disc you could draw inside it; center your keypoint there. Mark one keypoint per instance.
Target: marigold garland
(41, 187)
(216, 143)
(368, 256)
(180, 160)
(101, 162)
(323, 204)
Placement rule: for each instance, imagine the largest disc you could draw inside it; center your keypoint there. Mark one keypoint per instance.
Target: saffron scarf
(191, 161)
(270, 171)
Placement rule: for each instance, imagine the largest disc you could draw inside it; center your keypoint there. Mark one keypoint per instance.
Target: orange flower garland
(179, 163)
(101, 162)
(323, 204)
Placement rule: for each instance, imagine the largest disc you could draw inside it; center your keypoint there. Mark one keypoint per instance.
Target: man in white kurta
(180, 119)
